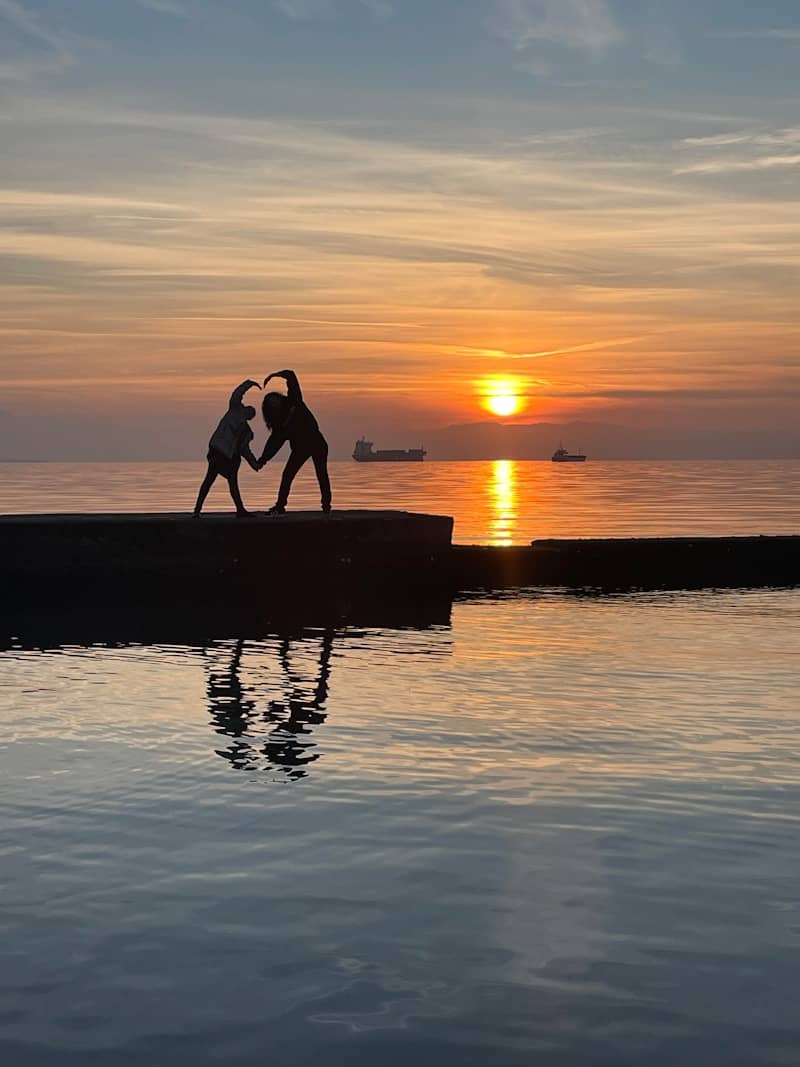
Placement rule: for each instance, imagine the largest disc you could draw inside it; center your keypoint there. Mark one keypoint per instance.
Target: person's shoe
(244, 514)
(326, 509)
(195, 514)
(277, 509)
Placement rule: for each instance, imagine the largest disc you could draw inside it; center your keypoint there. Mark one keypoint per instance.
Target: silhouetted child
(229, 442)
(288, 419)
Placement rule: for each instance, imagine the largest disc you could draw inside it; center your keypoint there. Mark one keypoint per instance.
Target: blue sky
(596, 199)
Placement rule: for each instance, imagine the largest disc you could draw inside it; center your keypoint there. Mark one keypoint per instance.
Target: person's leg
(321, 467)
(208, 481)
(233, 485)
(293, 465)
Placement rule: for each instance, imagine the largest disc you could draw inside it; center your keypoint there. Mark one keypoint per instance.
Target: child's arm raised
(238, 393)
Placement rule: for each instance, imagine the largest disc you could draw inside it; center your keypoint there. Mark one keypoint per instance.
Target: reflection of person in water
(288, 419)
(229, 708)
(287, 744)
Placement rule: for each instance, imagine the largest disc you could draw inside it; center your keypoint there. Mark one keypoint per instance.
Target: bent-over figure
(288, 419)
(229, 443)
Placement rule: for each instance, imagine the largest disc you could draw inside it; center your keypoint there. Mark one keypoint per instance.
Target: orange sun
(503, 405)
(502, 396)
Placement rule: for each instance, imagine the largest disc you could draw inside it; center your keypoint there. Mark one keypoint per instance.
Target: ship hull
(378, 458)
(365, 453)
(569, 459)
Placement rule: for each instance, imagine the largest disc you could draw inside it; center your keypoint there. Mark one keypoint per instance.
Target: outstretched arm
(247, 454)
(275, 442)
(293, 390)
(245, 451)
(238, 393)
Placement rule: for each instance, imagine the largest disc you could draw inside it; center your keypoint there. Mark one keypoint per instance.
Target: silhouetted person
(229, 442)
(288, 419)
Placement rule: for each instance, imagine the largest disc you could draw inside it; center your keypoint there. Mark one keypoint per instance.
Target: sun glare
(503, 405)
(502, 396)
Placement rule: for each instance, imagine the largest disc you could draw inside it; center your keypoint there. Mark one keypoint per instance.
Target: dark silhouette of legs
(208, 481)
(321, 467)
(229, 469)
(233, 485)
(293, 465)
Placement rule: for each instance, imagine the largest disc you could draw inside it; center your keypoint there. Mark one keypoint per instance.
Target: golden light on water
(504, 512)
(503, 397)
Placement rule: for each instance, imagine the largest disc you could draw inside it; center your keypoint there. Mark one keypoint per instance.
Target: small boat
(364, 453)
(562, 456)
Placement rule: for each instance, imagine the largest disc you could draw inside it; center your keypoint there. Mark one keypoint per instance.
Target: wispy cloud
(37, 48)
(717, 140)
(174, 8)
(301, 10)
(503, 354)
(306, 10)
(786, 136)
(583, 24)
(722, 166)
(30, 24)
(743, 150)
(788, 33)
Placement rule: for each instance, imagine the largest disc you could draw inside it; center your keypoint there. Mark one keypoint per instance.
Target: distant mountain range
(495, 440)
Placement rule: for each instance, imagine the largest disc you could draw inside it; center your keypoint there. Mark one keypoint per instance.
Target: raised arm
(238, 393)
(293, 390)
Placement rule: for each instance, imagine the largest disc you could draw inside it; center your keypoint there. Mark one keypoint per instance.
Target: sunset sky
(409, 202)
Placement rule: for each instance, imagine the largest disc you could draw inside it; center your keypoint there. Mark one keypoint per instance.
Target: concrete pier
(377, 567)
(632, 563)
(301, 549)
(130, 577)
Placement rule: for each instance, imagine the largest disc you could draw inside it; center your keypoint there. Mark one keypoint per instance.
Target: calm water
(558, 830)
(500, 502)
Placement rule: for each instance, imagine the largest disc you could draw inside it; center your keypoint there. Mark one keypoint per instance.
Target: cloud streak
(173, 8)
(787, 33)
(587, 25)
(308, 10)
(724, 166)
(38, 49)
(743, 151)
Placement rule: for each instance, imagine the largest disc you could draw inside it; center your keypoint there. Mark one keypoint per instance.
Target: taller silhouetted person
(229, 442)
(288, 419)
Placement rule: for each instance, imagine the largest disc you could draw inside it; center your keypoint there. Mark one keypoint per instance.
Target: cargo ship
(562, 456)
(364, 453)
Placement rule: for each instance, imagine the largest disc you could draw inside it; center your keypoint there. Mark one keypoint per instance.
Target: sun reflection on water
(502, 489)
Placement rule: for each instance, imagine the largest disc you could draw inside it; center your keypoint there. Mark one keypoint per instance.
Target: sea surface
(549, 830)
(493, 502)
(541, 828)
